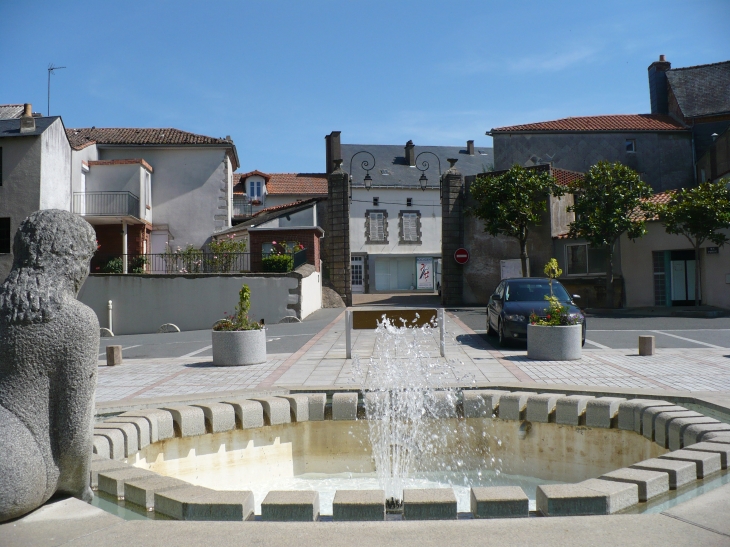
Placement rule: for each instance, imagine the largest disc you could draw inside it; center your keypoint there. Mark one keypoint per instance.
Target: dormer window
(255, 189)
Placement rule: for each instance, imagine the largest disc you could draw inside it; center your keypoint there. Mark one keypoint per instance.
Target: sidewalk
(321, 363)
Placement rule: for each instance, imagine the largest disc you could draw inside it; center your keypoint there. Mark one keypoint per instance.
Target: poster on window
(424, 270)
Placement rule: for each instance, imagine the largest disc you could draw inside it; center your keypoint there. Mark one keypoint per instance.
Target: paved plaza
(321, 363)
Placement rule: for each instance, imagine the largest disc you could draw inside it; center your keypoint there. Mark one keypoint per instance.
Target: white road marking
(664, 330)
(272, 339)
(130, 347)
(596, 344)
(193, 353)
(688, 339)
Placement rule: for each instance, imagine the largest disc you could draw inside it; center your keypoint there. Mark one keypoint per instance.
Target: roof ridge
(698, 66)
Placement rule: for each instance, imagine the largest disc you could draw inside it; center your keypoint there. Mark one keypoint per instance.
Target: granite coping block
(699, 432)
(359, 505)
(142, 491)
(98, 466)
(571, 410)
(541, 407)
(678, 426)
(716, 437)
(115, 438)
(649, 415)
(219, 417)
(344, 406)
(112, 481)
(290, 505)
(650, 483)
(189, 421)
(129, 431)
(513, 406)
(142, 425)
(639, 410)
(626, 413)
(498, 502)
(429, 504)
(198, 503)
(317, 402)
(299, 406)
(443, 404)
(662, 421)
(620, 494)
(161, 423)
(276, 411)
(249, 414)
(101, 446)
(561, 500)
(719, 448)
(481, 403)
(679, 472)
(603, 412)
(707, 462)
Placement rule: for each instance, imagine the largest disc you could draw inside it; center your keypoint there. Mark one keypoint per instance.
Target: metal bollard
(109, 315)
(348, 334)
(442, 331)
(647, 345)
(113, 355)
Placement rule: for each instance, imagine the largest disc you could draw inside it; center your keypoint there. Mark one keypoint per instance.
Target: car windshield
(534, 292)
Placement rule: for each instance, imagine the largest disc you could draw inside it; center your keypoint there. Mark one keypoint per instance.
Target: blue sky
(278, 75)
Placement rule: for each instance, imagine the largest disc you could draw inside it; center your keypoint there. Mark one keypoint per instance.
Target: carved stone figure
(48, 358)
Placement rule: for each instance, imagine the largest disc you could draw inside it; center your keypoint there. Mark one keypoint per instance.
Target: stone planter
(554, 343)
(239, 347)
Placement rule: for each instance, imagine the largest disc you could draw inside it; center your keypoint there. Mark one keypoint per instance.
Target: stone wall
(664, 158)
(452, 236)
(338, 233)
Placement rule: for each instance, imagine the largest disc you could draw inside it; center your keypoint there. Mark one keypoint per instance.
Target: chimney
(410, 154)
(27, 121)
(470, 147)
(333, 150)
(658, 91)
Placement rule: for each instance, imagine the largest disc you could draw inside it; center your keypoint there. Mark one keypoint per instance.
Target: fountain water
(410, 394)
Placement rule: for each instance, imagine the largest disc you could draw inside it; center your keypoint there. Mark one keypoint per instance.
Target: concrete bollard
(647, 345)
(113, 356)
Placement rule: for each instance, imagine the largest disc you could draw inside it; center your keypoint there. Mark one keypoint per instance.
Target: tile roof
(131, 161)
(286, 183)
(701, 90)
(138, 136)
(610, 122)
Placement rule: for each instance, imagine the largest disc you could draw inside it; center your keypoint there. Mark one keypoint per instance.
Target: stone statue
(48, 357)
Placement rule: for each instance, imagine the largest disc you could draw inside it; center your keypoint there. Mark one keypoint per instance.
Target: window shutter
(376, 227)
(410, 227)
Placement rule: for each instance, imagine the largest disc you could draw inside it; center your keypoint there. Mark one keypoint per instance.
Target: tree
(511, 203)
(608, 202)
(697, 214)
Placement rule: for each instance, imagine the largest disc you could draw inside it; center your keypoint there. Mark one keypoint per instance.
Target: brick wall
(109, 237)
(309, 237)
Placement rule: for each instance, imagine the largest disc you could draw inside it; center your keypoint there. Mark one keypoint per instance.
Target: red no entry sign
(461, 256)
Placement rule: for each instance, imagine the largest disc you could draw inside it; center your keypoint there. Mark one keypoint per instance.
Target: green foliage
(115, 265)
(188, 260)
(552, 270)
(698, 213)
(239, 320)
(278, 263)
(557, 314)
(510, 203)
(135, 264)
(604, 201)
(223, 254)
(227, 244)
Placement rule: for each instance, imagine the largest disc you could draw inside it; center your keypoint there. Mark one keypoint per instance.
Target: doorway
(682, 271)
(357, 269)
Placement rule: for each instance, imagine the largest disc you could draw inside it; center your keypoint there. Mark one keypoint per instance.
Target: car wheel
(583, 343)
(490, 330)
(500, 333)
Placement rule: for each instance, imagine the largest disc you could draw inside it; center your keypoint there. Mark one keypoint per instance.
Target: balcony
(106, 204)
(242, 207)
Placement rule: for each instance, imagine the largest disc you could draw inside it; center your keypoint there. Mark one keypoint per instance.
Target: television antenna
(51, 68)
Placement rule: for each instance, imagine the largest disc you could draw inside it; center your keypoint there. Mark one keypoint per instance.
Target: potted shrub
(236, 339)
(557, 337)
(280, 259)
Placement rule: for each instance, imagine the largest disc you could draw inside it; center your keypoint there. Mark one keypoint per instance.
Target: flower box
(239, 347)
(554, 342)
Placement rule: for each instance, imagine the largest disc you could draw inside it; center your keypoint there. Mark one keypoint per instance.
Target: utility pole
(51, 68)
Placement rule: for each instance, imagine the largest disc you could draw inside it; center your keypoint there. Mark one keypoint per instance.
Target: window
(631, 145)
(410, 227)
(409, 202)
(4, 235)
(254, 189)
(376, 201)
(376, 227)
(582, 259)
(147, 190)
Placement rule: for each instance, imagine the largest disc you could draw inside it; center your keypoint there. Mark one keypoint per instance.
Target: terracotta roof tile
(611, 122)
(283, 206)
(565, 177)
(314, 184)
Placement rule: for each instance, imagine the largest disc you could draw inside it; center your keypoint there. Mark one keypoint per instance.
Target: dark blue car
(509, 308)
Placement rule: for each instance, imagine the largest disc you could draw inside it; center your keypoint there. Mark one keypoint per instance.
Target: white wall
(125, 177)
(90, 153)
(189, 189)
(394, 201)
(55, 179)
(311, 293)
(141, 303)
